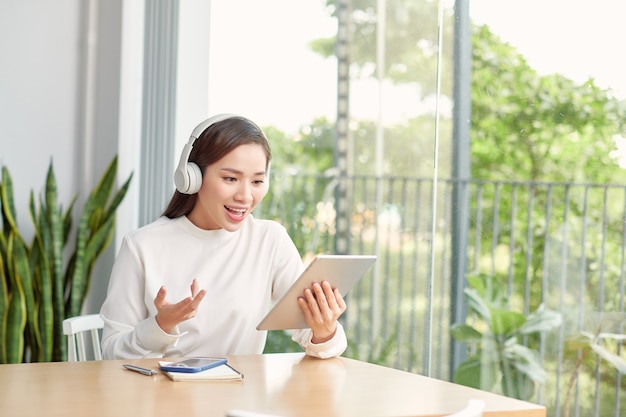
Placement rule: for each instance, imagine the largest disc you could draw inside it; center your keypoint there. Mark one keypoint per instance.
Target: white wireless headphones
(188, 177)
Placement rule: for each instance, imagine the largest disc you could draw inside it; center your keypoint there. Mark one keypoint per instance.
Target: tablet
(342, 271)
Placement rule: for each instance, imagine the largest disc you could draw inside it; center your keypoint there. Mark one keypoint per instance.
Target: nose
(244, 192)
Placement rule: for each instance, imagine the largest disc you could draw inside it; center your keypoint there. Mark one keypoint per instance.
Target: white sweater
(244, 273)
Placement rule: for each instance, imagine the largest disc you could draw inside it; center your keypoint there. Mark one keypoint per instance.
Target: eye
(258, 182)
(230, 179)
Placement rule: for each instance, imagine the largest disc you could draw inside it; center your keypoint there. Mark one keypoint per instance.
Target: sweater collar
(194, 230)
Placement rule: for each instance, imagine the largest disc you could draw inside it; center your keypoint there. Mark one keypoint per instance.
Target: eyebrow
(236, 171)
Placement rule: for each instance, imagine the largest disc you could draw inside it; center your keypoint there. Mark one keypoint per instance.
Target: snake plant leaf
(95, 232)
(78, 273)
(42, 281)
(8, 206)
(4, 278)
(3, 246)
(24, 277)
(36, 291)
(16, 322)
(79, 287)
(16, 317)
(67, 220)
(4, 303)
(55, 257)
(56, 227)
(100, 194)
(119, 197)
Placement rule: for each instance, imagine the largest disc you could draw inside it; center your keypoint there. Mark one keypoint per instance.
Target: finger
(159, 300)
(341, 303)
(188, 307)
(312, 304)
(183, 310)
(198, 299)
(329, 295)
(306, 309)
(321, 296)
(195, 287)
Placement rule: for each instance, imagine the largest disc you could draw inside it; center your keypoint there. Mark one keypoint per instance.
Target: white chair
(77, 329)
(474, 408)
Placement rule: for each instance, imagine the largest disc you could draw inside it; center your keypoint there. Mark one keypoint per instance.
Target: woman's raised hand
(322, 305)
(170, 315)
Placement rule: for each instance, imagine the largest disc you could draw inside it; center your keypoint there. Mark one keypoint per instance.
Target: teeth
(239, 211)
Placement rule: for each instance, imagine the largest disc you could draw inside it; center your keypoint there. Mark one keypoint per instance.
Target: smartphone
(193, 364)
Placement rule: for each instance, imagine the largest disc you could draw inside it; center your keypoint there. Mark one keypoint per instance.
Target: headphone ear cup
(195, 178)
(188, 178)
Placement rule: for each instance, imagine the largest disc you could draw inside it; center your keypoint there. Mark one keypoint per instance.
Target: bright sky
(262, 67)
(576, 38)
(261, 64)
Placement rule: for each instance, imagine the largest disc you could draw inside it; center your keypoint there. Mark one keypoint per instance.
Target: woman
(198, 280)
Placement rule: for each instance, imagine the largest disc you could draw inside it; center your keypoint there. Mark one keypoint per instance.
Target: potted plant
(39, 287)
(500, 362)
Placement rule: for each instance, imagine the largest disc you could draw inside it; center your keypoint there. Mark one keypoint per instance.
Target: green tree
(525, 125)
(528, 126)
(532, 127)
(310, 151)
(411, 41)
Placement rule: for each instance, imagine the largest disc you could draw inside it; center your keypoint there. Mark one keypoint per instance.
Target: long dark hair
(212, 145)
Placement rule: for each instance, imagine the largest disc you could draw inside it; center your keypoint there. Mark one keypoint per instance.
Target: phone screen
(196, 362)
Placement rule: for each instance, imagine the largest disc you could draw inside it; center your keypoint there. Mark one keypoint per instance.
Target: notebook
(342, 271)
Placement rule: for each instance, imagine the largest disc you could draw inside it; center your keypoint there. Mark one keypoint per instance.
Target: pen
(141, 370)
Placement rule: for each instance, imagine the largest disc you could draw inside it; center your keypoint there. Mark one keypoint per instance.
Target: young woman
(198, 280)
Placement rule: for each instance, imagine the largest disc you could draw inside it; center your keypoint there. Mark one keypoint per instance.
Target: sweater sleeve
(130, 328)
(332, 348)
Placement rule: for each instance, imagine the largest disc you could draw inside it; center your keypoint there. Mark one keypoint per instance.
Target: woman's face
(231, 189)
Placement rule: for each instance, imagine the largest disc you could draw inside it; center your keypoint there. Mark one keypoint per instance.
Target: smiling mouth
(236, 211)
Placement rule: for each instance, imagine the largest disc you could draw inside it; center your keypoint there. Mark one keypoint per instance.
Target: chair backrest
(77, 329)
(474, 408)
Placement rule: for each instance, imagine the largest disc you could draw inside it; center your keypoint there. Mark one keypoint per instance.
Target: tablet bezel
(342, 271)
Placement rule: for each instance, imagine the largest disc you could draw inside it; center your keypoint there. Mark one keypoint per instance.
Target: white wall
(59, 99)
(70, 92)
(39, 40)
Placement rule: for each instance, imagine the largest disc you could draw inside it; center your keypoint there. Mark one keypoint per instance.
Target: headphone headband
(188, 177)
(197, 131)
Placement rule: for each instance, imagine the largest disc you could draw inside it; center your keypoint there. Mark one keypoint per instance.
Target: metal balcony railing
(558, 244)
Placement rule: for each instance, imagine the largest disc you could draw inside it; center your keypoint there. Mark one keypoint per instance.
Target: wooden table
(288, 384)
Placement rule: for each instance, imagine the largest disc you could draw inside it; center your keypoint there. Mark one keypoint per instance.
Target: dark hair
(213, 144)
